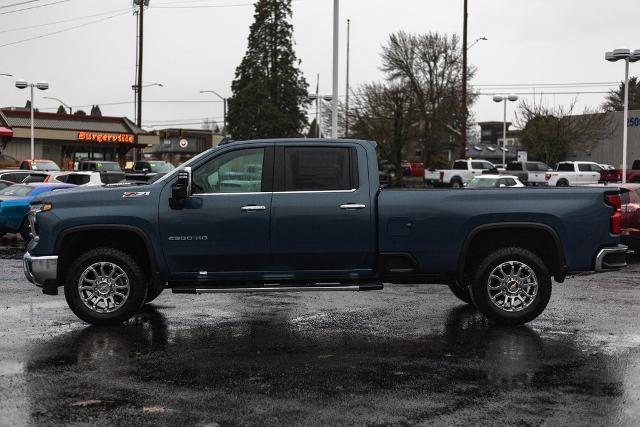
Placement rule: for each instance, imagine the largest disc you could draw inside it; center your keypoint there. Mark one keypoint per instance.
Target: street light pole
(23, 84)
(628, 57)
(224, 108)
(504, 100)
(336, 36)
(346, 97)
(463, 130)
(60, 101)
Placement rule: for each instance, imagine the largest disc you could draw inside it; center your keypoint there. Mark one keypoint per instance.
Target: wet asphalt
(407, 355)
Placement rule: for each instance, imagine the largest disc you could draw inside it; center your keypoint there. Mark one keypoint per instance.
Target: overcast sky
(196, 45)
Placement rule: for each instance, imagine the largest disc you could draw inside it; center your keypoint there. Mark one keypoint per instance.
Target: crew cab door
(222, 232)
(322, 212)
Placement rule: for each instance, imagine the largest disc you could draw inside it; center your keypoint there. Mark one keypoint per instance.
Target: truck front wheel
(511, 286)
(105, 286)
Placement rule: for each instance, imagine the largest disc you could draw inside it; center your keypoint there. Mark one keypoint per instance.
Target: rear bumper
(40, 270)
(613, 258)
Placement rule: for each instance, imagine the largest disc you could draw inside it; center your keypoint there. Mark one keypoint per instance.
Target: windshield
(162, 167)
(16, 190)
(482, 182)
(44, 165)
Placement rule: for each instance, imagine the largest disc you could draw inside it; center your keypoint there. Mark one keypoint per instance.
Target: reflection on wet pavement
(279, 367)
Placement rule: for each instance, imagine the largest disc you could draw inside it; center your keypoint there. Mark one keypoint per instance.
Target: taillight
(616, 219)
(441, 176)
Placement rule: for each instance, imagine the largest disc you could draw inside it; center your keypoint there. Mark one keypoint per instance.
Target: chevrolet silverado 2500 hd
(309, 215)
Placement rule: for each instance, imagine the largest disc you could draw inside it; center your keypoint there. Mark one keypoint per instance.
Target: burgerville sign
(121, 138)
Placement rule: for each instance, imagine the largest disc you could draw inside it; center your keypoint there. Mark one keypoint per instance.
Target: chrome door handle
(350, 206)
(253, 208)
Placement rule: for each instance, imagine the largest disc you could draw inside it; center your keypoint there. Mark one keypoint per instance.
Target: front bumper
(613, 258)
(42, 271)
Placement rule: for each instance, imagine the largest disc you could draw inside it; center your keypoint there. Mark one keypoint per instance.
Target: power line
(61, 22)
(543, 93)
(203, 6)
(536, 85)
(18, 4)
(33, 7)
(63, 30)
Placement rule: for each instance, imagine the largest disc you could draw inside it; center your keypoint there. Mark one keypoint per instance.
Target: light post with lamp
(504, 99)
(224, 108)
(60, 101)
(23, 84)
(627, 56)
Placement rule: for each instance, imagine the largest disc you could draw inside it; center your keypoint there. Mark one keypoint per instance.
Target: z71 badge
(128, 194)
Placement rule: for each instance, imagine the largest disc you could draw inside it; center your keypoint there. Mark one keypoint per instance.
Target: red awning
(5, 131)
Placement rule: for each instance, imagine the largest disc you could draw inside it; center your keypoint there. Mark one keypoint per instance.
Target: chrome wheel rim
(104, 287)
(512, 286)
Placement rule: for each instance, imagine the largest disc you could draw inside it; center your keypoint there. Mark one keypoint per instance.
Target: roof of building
(20, 118)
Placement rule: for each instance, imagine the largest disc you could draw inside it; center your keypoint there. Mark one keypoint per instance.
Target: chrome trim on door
(350, 206)
(253, 208)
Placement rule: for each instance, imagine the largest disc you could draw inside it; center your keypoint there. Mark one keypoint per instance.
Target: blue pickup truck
(309, 215)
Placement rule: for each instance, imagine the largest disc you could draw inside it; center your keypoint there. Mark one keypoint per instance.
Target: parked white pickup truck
(574, 173)
(461, 172)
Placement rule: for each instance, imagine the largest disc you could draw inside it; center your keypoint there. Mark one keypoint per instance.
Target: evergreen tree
(95, 111)
(269, 91)
(61, 110)
(614, 101)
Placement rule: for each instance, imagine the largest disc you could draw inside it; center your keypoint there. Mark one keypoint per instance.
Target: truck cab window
(460, 165)
(318, 169)
(234, 172)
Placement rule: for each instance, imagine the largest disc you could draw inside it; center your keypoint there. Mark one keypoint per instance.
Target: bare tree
(550, 133)
(385, 113)
(431, 65)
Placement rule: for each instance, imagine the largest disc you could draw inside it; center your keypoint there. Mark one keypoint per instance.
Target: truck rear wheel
(511, 286)
(456, 182)
(562, 183)
(105, 286)
(462, 292)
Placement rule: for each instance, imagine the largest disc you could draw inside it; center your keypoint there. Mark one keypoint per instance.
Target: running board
(353, 288)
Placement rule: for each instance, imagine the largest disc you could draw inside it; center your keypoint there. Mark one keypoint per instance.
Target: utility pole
(142, 4)
(463, 127)
(346, 100)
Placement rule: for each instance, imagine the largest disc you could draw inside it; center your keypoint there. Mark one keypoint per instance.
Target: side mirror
(502, 185)
(181, 189)
(146, 170)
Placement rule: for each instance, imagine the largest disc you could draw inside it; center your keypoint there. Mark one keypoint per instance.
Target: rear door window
(582, 167)
(565, 167)
(460, 165)
(78, 179)
(319, 169)
(515, 167)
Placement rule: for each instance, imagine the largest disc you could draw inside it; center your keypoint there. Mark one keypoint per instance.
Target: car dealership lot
(406, 355)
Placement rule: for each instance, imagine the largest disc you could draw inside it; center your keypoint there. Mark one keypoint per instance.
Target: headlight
(36, 207)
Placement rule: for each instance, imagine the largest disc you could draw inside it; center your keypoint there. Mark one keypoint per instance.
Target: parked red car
(631, 216)
(412, 169)
(39, 165)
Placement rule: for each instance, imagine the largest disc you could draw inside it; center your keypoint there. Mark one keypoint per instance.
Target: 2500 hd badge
(188, 238)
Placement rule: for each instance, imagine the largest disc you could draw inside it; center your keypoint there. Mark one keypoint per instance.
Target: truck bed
(432, 224)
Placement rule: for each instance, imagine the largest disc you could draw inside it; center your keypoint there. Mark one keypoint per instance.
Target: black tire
(136, 293)
(462, 292)
(25, 230)
(562, 183)
(152, 294)
(456, 182)
(509, 314)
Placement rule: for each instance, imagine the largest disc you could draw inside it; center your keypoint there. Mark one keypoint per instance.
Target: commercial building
(66, 138)
(179, 145)
(608, 150)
